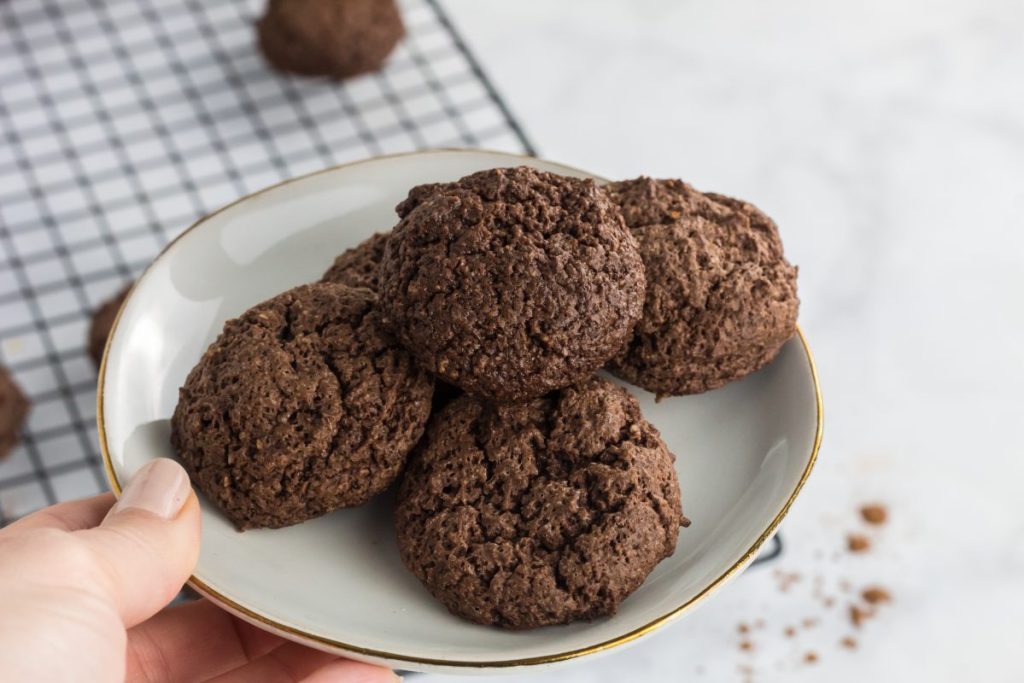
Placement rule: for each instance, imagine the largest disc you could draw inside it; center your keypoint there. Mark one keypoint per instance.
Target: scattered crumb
(863, 603)
(857, 543)
(786, 579)
(858, 615)
(874, 513)
(874, 595)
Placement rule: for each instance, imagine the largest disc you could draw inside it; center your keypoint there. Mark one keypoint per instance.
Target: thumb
(149, 541)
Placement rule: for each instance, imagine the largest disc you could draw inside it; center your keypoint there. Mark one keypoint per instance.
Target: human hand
(82, 586)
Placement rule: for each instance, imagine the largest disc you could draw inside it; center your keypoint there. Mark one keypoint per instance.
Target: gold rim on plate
(317, 640)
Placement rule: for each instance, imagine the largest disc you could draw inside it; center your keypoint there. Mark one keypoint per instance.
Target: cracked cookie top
(543, 512)
(301, 406)
(511, 282)
(721, 297)
(360, 265)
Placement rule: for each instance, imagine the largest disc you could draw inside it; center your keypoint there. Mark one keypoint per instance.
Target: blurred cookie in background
(335, 38)
(102, 322)
(13, 410)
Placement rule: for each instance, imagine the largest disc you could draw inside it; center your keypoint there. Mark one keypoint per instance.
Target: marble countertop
(887, 140)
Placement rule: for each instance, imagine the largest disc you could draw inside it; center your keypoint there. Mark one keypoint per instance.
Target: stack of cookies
(457, 355)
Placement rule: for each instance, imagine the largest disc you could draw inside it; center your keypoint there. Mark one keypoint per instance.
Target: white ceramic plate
(337, 582)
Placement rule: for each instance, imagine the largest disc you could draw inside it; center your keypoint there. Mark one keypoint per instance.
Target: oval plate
(337, 583)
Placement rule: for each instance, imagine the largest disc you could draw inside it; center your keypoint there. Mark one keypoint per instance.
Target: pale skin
(84, 588)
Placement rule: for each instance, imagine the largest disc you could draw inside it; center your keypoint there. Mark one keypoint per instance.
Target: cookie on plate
(301, 406)
(102, 322)
(360, 265)
(335, 38)
(13, 410)
(721, 297)
(511, 282)
(543, 512)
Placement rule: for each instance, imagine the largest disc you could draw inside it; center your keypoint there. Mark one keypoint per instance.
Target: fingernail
(161, 487)
(398, 679)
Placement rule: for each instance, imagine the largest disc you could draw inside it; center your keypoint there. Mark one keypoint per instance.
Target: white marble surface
(887, 140)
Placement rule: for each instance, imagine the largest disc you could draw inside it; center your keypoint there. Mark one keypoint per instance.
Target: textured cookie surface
(360, 265)
(337, 38)
(301, 406)
(102, 322)
(510, 283)
(543, 512)
(721, 297)
(13, 409)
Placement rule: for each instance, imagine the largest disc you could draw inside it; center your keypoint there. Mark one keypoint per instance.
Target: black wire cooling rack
(123, 122)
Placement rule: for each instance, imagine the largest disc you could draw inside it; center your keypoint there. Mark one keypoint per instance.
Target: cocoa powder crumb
(786, 579)
(874, 595)
(874, 513)
(857, 543)
(746, 646)
(790, 631)
(849, 642)
(858, 615)
(811, 657)
(743, 628)
(828, 602)
(809, 622)
(759, 623)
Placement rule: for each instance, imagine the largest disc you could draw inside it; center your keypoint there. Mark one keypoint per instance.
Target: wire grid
(126, 120)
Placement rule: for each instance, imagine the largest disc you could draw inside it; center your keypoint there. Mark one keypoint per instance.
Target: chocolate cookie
(13, 410)
(721, 297)
(543, 512)
(336, 38)
(360, 265)
(300, 407)
(102, 322)
(512, 282)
